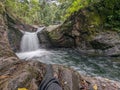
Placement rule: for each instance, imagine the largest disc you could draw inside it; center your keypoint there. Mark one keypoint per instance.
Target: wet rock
(44, 39)
(58, 38)
(109, 38)
(14, 34)
(108, 42)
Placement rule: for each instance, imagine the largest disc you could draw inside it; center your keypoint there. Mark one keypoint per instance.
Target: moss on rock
(2, 9)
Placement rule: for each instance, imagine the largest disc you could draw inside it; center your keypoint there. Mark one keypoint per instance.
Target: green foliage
(110, 10)
(54, 14)
(34, 12)
(40, 12)
(1, 8)
(23, 9)
(76, 5)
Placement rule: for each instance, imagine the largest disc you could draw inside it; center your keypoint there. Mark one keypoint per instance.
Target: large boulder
(44, 39)
(105, 43)
(57, 38)
(84, 30)
(77, 29)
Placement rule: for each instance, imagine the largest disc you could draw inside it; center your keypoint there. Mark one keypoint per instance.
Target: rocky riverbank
(14, 76)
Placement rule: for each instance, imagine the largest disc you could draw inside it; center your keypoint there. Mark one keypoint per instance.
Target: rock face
(84, 30)
(57, 37)
(5, 49)
(44, 39)
(14, 34)
(108, 42)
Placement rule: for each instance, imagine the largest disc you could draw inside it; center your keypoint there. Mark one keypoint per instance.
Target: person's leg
(54, 86)
(49, 82)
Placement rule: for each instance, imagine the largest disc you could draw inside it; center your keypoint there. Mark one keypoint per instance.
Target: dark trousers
(50, 84)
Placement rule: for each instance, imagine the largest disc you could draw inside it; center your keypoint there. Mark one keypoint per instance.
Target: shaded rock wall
(14, 34)
(5, 49)
(44, 39)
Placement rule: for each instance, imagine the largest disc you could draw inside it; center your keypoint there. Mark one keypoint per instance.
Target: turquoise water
(94, 66)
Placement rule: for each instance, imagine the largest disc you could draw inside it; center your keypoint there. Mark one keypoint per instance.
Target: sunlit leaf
(95, 87)
(22, 89)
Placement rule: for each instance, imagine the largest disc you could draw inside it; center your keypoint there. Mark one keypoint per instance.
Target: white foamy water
(30, 41)
(41, 55)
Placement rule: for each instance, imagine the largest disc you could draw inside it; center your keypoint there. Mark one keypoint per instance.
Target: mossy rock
(2, 9)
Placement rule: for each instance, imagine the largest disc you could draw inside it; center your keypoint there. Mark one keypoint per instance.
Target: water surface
(94, 66)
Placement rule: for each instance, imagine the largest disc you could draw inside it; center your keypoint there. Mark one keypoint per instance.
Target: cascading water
(29, 42)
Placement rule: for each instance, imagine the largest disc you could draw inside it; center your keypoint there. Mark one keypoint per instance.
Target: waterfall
(29, 42)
